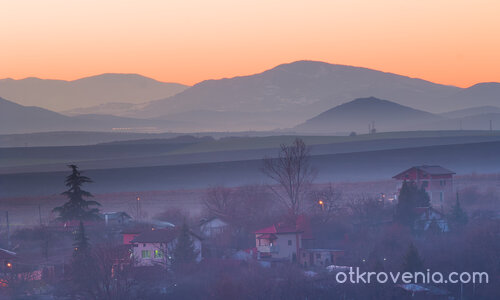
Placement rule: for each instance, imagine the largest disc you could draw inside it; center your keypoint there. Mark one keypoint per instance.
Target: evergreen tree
(184, 251)
(434, 228)
(412, 261)
(82, 264)
(410, 197)
(77, 208)
(458, 217)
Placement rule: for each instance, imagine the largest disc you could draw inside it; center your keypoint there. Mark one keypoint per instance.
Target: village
(287, 239)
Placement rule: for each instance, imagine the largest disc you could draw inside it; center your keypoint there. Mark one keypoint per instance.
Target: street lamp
(320, 202)
(137, 202)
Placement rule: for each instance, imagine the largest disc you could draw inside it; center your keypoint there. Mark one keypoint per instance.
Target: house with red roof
(282, 241)
(436, 180)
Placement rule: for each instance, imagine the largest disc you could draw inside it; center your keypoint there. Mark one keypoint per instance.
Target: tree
(82, 264)
(326, 203)
(77, 208)
(410, 197)
(292, 173)
(458, 217)
(184, 251)
(219, 201)
(412, 261)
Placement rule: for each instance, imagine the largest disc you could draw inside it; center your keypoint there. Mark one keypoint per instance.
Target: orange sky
(446, 41)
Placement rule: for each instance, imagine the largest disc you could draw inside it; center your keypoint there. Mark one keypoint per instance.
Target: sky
(453, 42)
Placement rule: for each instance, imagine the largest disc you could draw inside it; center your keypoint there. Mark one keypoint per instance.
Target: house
(284, 240)
(279, 241)
(116, 218)
(436, 180)
(430, 218)
(155, 246)
(319, 257)
(213, 226)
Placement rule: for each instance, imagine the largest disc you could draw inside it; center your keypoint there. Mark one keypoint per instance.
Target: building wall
(287, 245)
(152, 247)
(213, 227)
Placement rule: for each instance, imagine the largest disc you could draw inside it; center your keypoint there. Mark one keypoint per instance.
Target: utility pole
(8, 227)
(40, 214)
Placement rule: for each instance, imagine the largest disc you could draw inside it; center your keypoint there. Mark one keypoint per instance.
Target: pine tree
(410, 197)
(77, 208)
(184, 251)
(458, 217)
(412, 261)
(82, 264)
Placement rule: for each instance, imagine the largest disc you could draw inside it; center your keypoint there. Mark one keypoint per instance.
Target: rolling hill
(15, 118)
(60, 95)
(356, 116)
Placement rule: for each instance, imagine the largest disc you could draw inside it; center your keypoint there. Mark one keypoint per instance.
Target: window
(318, 255)
(158, 254)
(289, 242)
(441, 196)
(425, 184)
(146, 253)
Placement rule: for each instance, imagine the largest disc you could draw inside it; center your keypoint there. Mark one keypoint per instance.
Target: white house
(213, 226)
(279, 241)
(154, 247)
(426, 216)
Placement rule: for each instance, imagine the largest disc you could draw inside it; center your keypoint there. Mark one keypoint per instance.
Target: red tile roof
(301, 225)
(432, 170)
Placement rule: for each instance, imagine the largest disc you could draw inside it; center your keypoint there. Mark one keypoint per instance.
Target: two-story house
(155, 246)
(436, 180)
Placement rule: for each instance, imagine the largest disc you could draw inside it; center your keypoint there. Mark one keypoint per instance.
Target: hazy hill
(304, 87)
(15, 118)
(473, 111)
(62, 95)
(481, 94)
(357, 114)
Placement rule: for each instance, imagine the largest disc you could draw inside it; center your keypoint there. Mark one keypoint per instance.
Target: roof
(156, 236)
(432, 170)
(6, 254)
(210, 219)
(301, 225)
(427, 210)
(116, 215)
(268, 236)
(279, 228)
(160, 235)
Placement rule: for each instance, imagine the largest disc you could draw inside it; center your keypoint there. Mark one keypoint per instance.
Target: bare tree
(325, 203)
(219, 201)
(292, 173)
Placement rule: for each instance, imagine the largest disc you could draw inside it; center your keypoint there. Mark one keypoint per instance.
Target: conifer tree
(82, 264)
(412, 261)
(410, 197)
(184, 251)
(77, 207)
(458, 217)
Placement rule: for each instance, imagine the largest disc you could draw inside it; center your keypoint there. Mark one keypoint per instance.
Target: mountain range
(301, 92)
(61, 95)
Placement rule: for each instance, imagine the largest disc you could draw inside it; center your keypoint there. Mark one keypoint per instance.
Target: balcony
(268, 249)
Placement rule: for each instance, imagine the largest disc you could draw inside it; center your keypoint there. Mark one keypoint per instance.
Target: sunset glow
(187, 41)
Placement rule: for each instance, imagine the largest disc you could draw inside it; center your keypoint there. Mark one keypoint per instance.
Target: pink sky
(452, 42)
